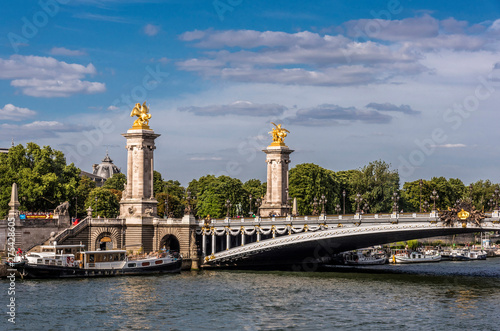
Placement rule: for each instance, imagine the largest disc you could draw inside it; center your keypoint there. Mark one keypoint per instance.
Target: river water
(435, 296)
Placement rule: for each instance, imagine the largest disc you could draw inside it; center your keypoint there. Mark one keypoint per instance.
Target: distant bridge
(248, 242)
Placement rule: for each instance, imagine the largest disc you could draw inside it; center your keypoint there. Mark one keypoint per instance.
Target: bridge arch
(170, 242)
(108, 238)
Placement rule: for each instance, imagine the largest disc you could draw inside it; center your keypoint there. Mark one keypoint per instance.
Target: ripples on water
(442, 296)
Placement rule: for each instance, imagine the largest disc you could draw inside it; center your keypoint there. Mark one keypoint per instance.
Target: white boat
(358, 258)
(415, 257)
(466, 255)
(69, 261)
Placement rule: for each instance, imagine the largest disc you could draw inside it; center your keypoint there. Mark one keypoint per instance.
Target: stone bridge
(302, 240)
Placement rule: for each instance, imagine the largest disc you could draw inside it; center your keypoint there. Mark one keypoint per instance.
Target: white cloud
(66, 52)
(151, 30)
(47, 77)
(449, 146)
(240, 108)
(112, 108)
(13, 113)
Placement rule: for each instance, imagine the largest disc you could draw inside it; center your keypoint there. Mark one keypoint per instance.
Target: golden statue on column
(279, 135)
(142, 112)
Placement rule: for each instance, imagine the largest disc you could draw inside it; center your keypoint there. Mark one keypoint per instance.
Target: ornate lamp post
(434, 197)
(323, 201)
(420, 196)
(358, 200)
(258, 202)
(495, 197)
(343, 197)
(395, 200)
(315, 206)
(470, 193)
(187, 210)
(76, 207)
(426, 205)
(165, 215)
(228, 206)
(366, 207)
(96, 210)
(250, 205)
(338, 209)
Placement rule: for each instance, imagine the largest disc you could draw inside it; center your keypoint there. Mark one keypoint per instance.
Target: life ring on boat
(69, 261)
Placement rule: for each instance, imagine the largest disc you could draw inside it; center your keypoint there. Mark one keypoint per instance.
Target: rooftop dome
(106, 169)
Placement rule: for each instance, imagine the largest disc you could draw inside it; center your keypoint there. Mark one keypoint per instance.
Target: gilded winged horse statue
(142, 112)
(279, 135)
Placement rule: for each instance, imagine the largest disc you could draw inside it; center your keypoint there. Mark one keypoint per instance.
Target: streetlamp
(76, 207)
(228, 206)
(250, 205)
(395, 199)
(338, 209)
(258, 202)
(470, 193)
(315, 206)
(322, 200)
(96, 210)
(495, 197)
(165, 215)
(366, 207)
(420, 196)
(426, 205)
(343, 198)
(358, 200)
(434, 197)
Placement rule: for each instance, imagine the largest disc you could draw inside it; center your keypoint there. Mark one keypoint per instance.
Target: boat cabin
(102, 259)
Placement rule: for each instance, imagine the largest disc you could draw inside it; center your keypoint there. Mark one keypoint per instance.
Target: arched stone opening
(170, 242)
(105, 242)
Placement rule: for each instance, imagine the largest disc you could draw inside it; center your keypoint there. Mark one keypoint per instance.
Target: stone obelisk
(138, 205)
(277, 159)
(14, 203)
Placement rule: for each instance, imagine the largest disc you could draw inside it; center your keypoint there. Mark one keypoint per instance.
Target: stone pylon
(277, 159)
(138, 206)
(14, 203)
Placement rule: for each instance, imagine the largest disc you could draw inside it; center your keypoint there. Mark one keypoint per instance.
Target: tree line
(45, 180)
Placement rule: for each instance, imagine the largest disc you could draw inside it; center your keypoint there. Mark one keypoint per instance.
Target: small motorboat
(415, 257)
(360, 258)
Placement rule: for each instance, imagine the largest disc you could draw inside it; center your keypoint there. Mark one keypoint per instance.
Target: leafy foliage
(116, 182)
(103, 202)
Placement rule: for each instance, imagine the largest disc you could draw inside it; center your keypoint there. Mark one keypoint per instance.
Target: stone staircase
(64, 234)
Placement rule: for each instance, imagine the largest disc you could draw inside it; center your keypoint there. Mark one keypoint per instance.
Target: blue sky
(414, 83)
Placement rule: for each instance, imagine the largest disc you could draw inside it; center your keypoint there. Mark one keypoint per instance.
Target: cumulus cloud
(406, 109)
(329, 114)
(66, 52)
(37, 129)
(151, 30)
(393, 30)
(367, 51)
(13, 113)
(240, 108)
(47, 77)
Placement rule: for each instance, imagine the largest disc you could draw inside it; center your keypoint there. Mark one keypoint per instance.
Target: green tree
(376, 183)
(308, 181)
(83, 190)
(43, 178)
(117, 182)
(174, 193)
(213, 192)
(103, 202)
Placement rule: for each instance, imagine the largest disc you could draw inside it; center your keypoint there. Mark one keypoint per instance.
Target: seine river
(441, 296)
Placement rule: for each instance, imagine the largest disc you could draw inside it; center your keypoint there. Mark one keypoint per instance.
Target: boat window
(131, 265)
(122, 256)
(158, 262)
(104, 257)
(111, 257)
(39, 261)
(145, 264)
(91, 258)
